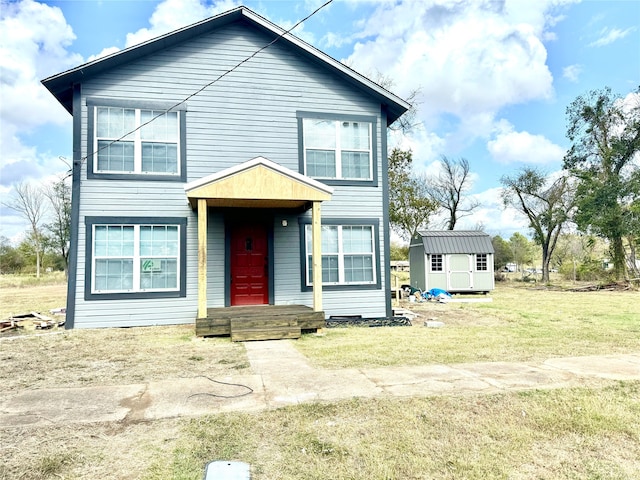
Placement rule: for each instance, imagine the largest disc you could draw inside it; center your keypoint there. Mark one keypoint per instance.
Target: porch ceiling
(258, 183)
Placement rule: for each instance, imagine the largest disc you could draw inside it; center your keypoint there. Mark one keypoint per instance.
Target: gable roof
(455, 241)
(257, 183)
(61, 84)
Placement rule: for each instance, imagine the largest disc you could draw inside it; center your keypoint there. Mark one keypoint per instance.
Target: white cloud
(610, 35)
(469, 57)
(509, 146)
(105, 52)
(33, 42)
(572, 72)
(172, 14)
(34, 39)
(493, 216)
(425, 146)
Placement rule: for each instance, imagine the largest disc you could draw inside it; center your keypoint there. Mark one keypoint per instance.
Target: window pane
(355, 165)
(159, 157)
(319, 134)
(158, 240)
(358, 268)
(159, 126)
(114, 274)
(156, 273)
(114, 123)
(330, 269)
(115, 157)
(321, 163)
(329, 239)
(357, 239)
(354, 135)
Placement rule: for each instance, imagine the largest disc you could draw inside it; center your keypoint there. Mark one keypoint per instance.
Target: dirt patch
(122, 356)
(450, 314)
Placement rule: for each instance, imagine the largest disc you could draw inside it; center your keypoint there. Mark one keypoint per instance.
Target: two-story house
(211, 173)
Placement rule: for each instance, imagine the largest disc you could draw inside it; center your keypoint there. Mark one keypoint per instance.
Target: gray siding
(251, 112)
(418, 265)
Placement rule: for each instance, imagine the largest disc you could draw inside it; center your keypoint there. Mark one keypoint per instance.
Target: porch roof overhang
(257, 183)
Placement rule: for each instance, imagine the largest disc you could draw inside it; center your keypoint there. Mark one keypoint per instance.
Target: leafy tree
(502, 252)
(547, 205)
(28, 201)
(409, 204)
(398, 251)
(521, 250)
(604, 156)
(448, 190)
(59, 195)
(11, 261)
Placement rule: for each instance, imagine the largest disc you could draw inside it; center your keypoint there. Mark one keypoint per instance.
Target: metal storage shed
(456, 261)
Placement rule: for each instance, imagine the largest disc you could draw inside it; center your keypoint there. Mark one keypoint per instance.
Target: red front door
(249, 265)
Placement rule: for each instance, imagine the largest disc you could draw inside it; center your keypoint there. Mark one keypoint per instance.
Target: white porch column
(316, 256)
(202, 258)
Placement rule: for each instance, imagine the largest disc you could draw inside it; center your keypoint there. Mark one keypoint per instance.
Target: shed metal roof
(455, 241)
(61, 84)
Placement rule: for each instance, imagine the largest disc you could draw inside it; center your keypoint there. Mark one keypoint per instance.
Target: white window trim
(135, 258)
(338, 150)
(341, 254)
(137, 144)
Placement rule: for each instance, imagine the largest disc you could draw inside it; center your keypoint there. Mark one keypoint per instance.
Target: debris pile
(609, 287)
(33, 321)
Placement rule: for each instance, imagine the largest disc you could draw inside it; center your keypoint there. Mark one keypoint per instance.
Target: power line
(217, 79)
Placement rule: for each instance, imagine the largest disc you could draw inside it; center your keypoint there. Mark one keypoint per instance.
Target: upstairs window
(338, 149)
(136, 141)
(436, 262)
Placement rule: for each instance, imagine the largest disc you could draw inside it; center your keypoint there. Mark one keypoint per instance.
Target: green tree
(502, 253)
(448, 190)
(521, 250)
(398, 251)
(11, 260)
(605, 133)
(409, 204)
(547, 205)
(59, 229)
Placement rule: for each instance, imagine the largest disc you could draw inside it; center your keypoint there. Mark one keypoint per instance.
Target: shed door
(249, 265)
(460, 272)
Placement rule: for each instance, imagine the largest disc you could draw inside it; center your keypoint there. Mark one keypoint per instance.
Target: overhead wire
(217, 79)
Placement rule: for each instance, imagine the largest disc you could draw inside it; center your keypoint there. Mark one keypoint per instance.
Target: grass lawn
(591, 432)
(519, 324)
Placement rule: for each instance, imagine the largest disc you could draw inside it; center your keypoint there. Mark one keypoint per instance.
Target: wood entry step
(270, 328)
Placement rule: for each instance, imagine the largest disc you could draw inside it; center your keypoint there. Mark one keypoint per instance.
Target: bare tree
(448, 190)
(547, 206)
(28, 201)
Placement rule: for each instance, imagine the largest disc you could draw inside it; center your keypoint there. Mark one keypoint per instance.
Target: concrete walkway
(282, 376)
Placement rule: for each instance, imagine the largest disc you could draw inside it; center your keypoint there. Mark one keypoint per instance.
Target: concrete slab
(425, 380)
(505, 375)
(612, 367)
(280, 376)
(68, 405)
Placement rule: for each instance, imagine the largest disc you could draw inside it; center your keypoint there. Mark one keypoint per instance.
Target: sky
(493, 77)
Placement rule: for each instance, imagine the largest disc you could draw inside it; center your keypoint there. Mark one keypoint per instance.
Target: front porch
(260, 322)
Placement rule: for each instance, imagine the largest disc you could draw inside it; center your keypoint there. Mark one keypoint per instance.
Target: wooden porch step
(263, 322)
(264, 328)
